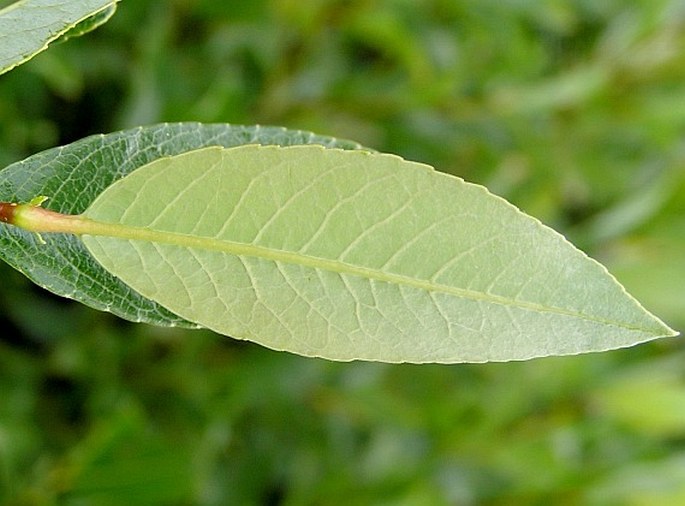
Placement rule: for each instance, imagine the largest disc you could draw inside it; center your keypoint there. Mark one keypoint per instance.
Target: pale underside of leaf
(355, 255)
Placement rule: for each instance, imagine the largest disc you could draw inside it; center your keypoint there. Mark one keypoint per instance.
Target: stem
(36, 219)
(7, 212)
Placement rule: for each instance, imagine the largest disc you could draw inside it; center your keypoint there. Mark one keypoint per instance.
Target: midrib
(115, 230)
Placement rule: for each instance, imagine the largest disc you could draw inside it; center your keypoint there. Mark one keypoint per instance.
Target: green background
(574, 111)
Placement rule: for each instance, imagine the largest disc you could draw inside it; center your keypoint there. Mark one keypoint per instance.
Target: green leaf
(73, 175)
(27, 27)
(354, 255)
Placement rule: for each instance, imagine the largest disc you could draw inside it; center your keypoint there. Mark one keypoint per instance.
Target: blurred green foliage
(573, 110)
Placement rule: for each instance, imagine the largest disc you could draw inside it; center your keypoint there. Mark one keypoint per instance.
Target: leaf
(73, 175)
(27, 27)
(355, 255)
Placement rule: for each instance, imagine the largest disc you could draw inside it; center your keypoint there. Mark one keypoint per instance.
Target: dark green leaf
(72, 176)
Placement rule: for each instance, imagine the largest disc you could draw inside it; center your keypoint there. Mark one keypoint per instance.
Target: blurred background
(572, 110)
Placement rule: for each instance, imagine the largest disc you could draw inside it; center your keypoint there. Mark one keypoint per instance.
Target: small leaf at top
(28, 26)
(355, 255)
